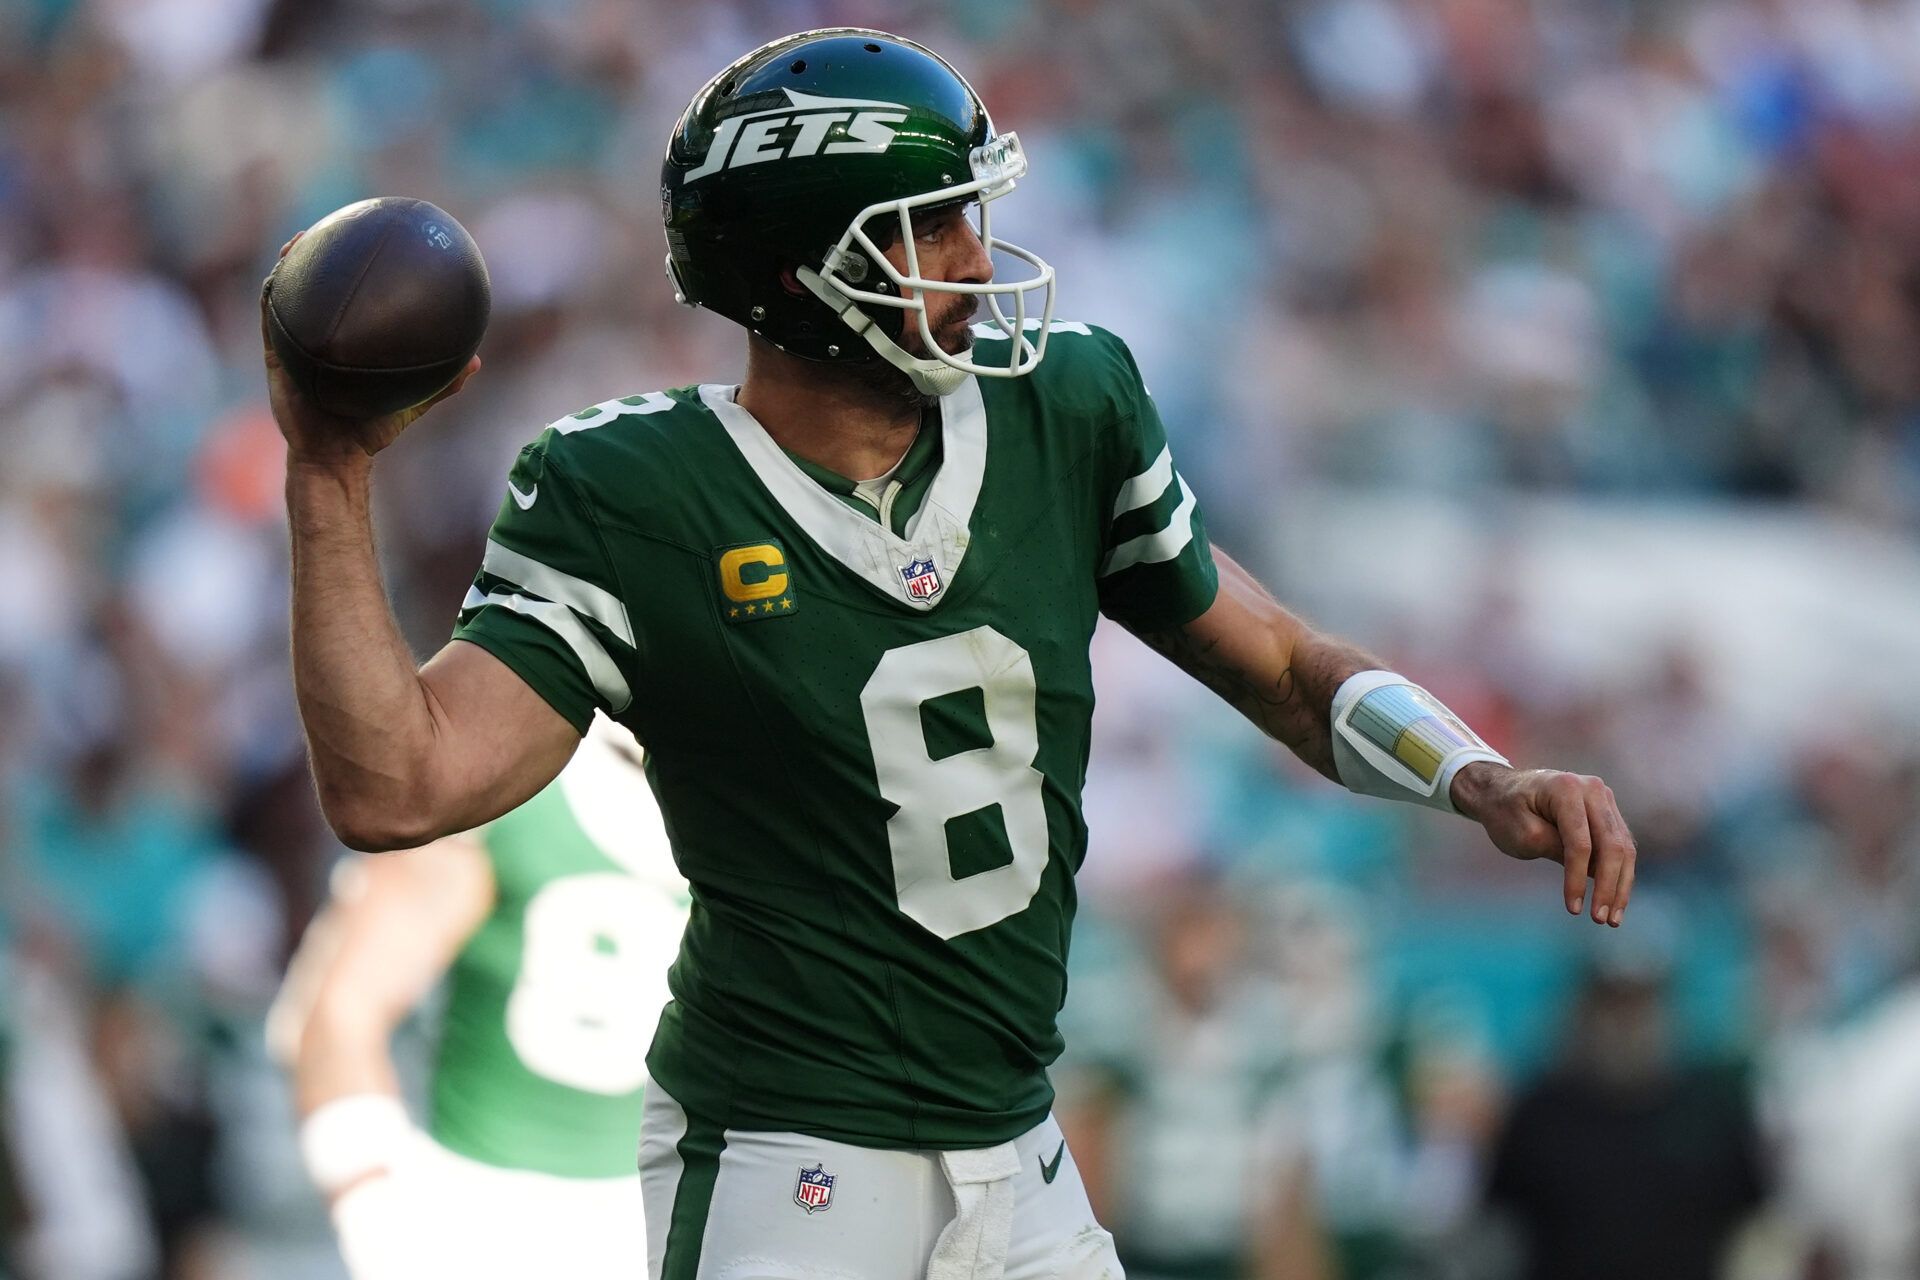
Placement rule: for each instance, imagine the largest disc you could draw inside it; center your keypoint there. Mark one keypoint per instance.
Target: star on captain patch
(922, 579)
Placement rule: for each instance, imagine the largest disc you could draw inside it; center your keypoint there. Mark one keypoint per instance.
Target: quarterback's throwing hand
(316, 436)
(1569, 817)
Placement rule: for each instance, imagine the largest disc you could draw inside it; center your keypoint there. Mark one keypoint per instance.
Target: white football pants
(440, 1214)
(745, 1205)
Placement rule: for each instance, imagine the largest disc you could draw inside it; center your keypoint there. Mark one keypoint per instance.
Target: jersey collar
(936, 532)
(913, 463)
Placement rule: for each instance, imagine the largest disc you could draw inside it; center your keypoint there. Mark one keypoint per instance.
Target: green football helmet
(809, 156)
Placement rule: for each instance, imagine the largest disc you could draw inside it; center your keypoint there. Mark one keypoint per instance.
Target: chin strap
(929, 377)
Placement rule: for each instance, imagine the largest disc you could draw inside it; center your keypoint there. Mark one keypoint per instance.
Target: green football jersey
(868, 742)
(553, 1000)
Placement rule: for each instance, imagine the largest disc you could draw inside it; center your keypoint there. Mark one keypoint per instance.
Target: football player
(552, 927)
(846, 605)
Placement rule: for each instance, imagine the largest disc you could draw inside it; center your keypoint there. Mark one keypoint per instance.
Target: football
(378, 306)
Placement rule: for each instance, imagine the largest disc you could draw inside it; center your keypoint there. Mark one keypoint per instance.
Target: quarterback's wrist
(1475, 785)
(330, 463)
(323, 490)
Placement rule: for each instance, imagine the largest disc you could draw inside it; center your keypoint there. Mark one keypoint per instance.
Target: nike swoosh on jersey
(524, 499)
(1049, 1168)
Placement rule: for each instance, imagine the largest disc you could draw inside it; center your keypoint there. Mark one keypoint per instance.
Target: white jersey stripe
(563, 622)
(1145, 488)
(544, 580)
(1152, 548)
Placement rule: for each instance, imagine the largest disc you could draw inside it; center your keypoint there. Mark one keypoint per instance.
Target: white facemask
(996, 165)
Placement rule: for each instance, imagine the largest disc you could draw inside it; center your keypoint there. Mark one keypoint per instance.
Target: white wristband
(1393, 739)
(351, 1137)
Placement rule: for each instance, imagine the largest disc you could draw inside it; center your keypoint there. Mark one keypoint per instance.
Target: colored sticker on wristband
(1412, 726)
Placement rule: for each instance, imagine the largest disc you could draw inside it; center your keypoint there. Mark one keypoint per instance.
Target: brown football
(378, 306)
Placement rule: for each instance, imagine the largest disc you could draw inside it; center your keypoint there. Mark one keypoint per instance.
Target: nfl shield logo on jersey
(814, 1191)
(922, 579)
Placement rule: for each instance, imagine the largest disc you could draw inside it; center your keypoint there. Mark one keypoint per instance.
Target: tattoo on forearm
(1293, 707)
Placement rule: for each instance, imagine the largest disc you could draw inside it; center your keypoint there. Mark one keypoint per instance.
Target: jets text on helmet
(809, 126)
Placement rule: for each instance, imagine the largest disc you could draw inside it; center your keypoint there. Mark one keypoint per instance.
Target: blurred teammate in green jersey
(552, 928)
(846, 604)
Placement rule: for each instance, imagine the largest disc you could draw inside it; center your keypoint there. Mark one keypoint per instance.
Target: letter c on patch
(753, 573)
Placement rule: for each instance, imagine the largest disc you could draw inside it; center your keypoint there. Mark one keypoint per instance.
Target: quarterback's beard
(954, 333)
(882, 381)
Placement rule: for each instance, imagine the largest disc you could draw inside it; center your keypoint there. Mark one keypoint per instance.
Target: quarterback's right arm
(400, 756)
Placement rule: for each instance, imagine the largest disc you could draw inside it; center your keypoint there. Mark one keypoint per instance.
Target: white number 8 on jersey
(931, 792)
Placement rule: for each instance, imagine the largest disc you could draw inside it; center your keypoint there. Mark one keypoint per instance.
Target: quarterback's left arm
(1285, 677)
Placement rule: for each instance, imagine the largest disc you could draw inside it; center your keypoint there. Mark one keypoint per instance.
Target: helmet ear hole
(790, 281)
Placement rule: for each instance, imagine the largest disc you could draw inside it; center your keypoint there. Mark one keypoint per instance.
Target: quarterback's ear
(790, 281)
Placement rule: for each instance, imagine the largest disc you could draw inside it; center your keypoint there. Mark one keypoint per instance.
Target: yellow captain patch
(755, 582)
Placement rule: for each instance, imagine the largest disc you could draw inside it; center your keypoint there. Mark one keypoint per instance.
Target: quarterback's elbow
(371, 828)
(374, 839)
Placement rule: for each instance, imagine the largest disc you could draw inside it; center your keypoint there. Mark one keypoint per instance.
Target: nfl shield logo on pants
(922, 579)
(814, 1191)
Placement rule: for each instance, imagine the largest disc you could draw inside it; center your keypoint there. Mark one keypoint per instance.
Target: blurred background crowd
(1561, 351)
